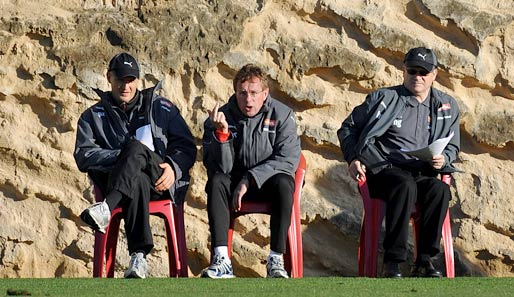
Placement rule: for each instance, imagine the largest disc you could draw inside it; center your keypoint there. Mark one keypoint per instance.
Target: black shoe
(425, 269)
(391, 270)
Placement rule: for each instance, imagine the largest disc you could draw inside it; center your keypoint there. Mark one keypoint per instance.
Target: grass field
(319, 286)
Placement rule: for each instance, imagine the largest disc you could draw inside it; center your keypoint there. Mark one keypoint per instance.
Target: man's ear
(266, 92)
(109, 76)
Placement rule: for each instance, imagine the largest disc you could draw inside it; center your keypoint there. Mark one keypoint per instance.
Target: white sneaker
(275, 267)
(138, 268)
(219, 268)
(97, 216)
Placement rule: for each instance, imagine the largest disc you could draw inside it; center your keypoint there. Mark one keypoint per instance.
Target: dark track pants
(278, 190)
(401, 190)
(133, 175)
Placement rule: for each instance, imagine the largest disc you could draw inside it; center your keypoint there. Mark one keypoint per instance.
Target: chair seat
(173, 215)
(374, 210)
(293, 257)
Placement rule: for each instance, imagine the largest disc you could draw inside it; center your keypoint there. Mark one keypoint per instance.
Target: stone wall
(323, 57)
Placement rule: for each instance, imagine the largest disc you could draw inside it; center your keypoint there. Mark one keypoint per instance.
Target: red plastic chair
(173, 215)
(374, 211)
(293, 257)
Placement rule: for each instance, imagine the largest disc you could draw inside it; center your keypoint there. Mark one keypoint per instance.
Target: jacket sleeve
(285, 156)
(88, 154)
(217, 156)
(181, 148)
(451, 150)
(351, 129)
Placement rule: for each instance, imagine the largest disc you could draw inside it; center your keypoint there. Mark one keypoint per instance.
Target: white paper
(144, 134)
(433, 149)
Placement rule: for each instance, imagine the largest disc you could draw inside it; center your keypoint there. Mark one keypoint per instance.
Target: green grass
(319, 286)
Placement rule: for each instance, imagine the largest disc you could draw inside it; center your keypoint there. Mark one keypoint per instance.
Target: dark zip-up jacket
(102, 132)
(260, 146)
(372, 118)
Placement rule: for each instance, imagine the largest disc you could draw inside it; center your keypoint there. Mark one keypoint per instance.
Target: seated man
(136, 147)
(407, 116)
(251, 151)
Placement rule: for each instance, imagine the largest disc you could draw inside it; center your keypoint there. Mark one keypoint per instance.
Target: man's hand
(167, 178)
(218, 119)
(240, 190)
(438, 161)
(357, 170)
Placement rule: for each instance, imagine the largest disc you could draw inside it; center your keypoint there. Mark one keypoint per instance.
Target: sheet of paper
(435, 148)
(144, 134)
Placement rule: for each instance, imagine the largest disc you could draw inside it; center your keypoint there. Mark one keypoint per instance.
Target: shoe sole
(277, 276)
(133, 274)
(91, 222)
(205, 275)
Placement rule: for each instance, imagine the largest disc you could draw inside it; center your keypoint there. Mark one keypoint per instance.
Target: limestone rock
(322, 56)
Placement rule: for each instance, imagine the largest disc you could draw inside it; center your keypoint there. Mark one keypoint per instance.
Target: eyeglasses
(422, 72)
(251, 94)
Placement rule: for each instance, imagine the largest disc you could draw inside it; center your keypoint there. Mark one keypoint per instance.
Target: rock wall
(323, 57)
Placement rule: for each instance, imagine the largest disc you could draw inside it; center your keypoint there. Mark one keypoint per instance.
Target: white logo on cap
(130, 63)
(422, 56)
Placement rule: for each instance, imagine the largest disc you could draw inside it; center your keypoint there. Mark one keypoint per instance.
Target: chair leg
(292, 243)
(112, 242)
(166, 212)
(295, 219)
(370, 246)
(299, 249)
(448, 246)
(99, 254)
(370, 230)
(181, 237)
(371, 236)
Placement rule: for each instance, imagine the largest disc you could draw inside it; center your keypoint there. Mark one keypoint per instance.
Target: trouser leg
(219, 192)
(134, 160)
(398, 189)
(133, 175)
(279, 190)
(433, 200)
(137, 218)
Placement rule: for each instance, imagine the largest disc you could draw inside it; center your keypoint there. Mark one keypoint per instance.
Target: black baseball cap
(421, 57)
(124, 65)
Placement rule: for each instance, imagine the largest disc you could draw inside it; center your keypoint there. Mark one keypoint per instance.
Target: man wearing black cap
(408, 116)
(136, 147)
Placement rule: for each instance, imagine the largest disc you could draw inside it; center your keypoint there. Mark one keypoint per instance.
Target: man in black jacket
(408, 117)
(136, 147)
(251, 151)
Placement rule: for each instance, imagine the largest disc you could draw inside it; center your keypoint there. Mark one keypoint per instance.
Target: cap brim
(122, 73)
(415, 63)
